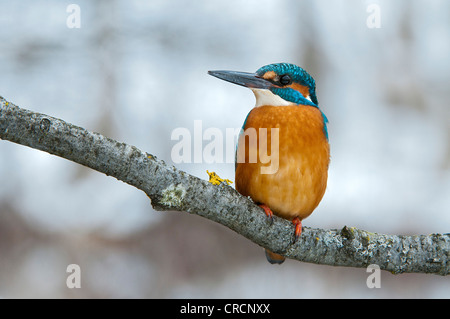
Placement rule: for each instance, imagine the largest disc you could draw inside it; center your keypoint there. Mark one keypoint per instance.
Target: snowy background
(136, 70)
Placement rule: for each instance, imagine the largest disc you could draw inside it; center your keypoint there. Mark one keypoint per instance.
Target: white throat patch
(265, 97)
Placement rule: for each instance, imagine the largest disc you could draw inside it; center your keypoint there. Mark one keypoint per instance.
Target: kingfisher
(288, 125)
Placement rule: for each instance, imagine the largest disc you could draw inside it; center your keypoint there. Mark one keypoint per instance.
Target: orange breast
(295, 186)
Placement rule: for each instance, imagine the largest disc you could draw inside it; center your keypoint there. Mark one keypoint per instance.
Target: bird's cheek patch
(304, 90)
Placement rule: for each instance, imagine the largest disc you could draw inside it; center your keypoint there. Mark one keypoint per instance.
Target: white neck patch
(265, 97)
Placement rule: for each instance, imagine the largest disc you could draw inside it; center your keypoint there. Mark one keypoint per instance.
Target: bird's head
(276, 84)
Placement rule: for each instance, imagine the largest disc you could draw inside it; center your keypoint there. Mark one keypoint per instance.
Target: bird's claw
(298, 228)
(268, 213)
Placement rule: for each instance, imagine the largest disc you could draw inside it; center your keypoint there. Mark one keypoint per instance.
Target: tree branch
(172, 189)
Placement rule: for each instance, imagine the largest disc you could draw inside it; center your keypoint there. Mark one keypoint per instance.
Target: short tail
(274, 258)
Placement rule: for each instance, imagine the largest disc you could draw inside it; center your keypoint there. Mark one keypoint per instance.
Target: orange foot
(268, 212)
(298, 228)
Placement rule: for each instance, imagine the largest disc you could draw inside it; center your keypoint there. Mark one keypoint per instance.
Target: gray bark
(172, 189)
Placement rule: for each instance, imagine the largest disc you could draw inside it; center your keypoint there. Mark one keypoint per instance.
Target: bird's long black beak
(250, 80)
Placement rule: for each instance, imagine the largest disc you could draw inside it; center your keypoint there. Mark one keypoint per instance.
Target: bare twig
(172, 189)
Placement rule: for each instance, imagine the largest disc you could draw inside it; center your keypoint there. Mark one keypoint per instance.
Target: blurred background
(137, 70)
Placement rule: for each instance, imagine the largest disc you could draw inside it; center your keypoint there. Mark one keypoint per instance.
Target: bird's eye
(285, 79)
